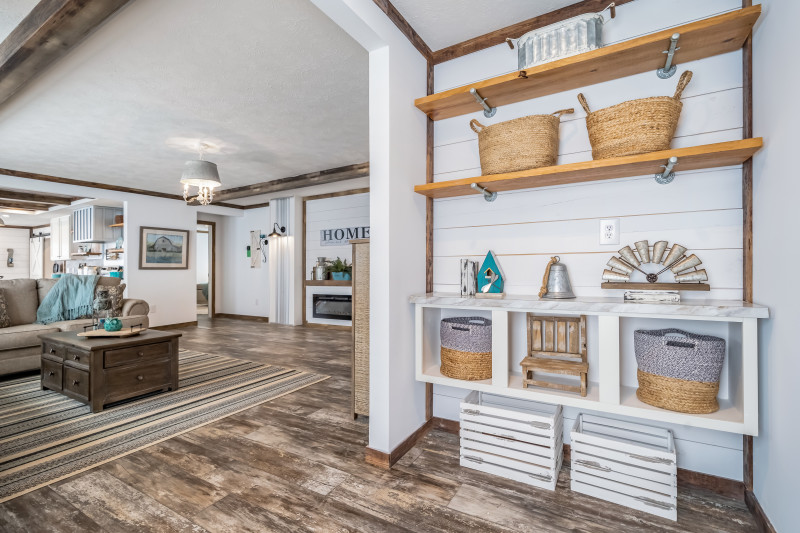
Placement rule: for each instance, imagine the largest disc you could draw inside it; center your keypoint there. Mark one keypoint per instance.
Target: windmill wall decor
(683, 270)
(490, 278)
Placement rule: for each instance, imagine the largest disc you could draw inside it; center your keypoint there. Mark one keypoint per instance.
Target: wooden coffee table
(100, 371)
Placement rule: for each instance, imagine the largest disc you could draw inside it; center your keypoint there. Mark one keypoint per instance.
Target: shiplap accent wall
(18, 240)
(700, 209)
(329, 213)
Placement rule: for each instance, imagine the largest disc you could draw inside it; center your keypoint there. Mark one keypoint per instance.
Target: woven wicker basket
(520, 144)
(679, 371)
(635, 127)
(466, 348)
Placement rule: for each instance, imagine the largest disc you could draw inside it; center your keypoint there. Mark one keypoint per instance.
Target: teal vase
(113, 324)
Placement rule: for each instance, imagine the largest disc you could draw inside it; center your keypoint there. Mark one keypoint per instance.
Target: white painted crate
(625, 463)
(513, 438)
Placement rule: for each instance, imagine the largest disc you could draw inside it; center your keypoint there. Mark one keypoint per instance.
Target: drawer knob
(140, 354)
(75, 382)
(140, 377)
(51, 373)
(52, 350)
(76, 357)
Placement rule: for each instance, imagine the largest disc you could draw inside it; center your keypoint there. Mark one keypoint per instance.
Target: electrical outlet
(153, 309)
(609, 231)
(256, 301)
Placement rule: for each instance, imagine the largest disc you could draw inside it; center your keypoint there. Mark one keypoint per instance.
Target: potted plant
(339, 269)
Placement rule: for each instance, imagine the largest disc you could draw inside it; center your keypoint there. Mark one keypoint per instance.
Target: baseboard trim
(687, 478)
(181, 325)
(764, 525)
(252, 318)
(387, 460)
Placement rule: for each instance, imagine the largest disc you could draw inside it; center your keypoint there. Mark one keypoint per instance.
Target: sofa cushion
(21, 299)
(5, 320)
(24, 336)
(43, 286)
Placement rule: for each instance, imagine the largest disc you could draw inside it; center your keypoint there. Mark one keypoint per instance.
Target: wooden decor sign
(342, 236)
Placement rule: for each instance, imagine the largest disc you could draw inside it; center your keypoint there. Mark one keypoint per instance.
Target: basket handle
(686, 77)
(459, 328)
(473, 123)
(563, 112)
(582, 100)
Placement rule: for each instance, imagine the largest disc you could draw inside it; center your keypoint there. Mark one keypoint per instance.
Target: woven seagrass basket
(519, 144)
(679, 371)
(466, 348)
(636, 126)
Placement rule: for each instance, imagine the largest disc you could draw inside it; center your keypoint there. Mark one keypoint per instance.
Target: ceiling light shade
(203, 175)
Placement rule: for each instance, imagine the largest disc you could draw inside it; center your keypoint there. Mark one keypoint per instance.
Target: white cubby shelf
(612, 389)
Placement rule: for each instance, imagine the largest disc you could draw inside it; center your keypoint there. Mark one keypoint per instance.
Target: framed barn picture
(163, 249)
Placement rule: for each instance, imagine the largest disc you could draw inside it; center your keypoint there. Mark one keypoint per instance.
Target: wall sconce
(277, 231)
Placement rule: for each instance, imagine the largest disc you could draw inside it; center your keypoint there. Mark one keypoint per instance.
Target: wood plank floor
(297, 464)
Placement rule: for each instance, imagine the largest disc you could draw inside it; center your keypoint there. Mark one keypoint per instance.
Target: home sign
(340, 236)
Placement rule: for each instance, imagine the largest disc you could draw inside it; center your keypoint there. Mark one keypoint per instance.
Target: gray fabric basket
(471, 334)
(675, 353)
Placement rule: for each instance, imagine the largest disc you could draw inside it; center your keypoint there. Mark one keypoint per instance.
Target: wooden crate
(516, 439)
(625, 463)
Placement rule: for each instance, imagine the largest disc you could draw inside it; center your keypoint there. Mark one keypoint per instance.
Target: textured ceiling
(442, 23)
(276, 83)
(11, 14)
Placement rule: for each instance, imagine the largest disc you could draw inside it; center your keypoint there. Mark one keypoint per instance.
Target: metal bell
(558, 285)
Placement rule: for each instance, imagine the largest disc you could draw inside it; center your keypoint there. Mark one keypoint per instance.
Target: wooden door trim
(212, 308)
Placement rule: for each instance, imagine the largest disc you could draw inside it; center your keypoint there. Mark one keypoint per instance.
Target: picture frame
(163, 249)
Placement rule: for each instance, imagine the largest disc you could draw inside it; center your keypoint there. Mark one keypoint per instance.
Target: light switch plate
(609, 231)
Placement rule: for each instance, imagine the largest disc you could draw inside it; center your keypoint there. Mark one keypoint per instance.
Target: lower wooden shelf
(328, 283)
(691, 158)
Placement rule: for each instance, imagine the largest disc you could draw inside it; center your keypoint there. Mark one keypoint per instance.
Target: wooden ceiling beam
(322, 177)
(6, 194)
(49, 32)
(30, 206)
(520, 28)
(402, 24)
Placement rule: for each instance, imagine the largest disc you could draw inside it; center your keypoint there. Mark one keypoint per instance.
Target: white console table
(737, 414)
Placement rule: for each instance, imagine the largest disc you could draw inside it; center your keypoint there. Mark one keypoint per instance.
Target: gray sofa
(20, 347)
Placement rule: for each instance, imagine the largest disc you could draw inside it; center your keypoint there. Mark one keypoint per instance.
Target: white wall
(172, 294)
(776, 189)
(701, 210)
(397, 133)
(18, 240)
(241, 290)
(328, 213)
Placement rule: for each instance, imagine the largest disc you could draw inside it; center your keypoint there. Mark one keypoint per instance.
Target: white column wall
(398, 75)
(775, 218)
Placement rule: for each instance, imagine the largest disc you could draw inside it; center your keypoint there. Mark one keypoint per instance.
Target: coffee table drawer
(77, 382)
(53, 350)
(130, 381)
(51, 374)
(123, 356)
(78, 358)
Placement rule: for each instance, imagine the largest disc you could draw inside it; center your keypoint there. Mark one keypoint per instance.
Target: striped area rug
(45, 436)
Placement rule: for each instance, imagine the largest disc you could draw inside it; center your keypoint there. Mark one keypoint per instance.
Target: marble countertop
(599, 306)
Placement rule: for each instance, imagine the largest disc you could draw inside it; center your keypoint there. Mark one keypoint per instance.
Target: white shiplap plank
(19, 241)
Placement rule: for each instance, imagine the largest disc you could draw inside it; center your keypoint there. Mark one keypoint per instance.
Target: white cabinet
(93, 224)
(60, 238)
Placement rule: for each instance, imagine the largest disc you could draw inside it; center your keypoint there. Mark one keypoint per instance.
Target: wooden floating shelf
(704, 38)
(76, 254)
(121, 224)
(329, 283)
(115, 251)
(692, 158)
(656, 286)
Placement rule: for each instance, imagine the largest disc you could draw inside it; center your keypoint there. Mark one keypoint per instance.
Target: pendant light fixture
(203, 175)
(277, 231)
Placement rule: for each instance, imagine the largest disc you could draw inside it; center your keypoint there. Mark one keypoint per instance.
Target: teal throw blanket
(70, 298)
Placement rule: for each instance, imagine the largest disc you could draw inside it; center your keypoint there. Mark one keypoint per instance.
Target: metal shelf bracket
(669, 69)
(488, 196)
(668, 175)
(488, 111)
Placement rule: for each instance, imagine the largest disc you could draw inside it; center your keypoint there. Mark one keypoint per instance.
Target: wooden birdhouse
(490, 277)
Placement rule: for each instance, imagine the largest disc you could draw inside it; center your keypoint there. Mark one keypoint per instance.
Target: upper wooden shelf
(328, 283)
(692, 158)
(704, 38)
